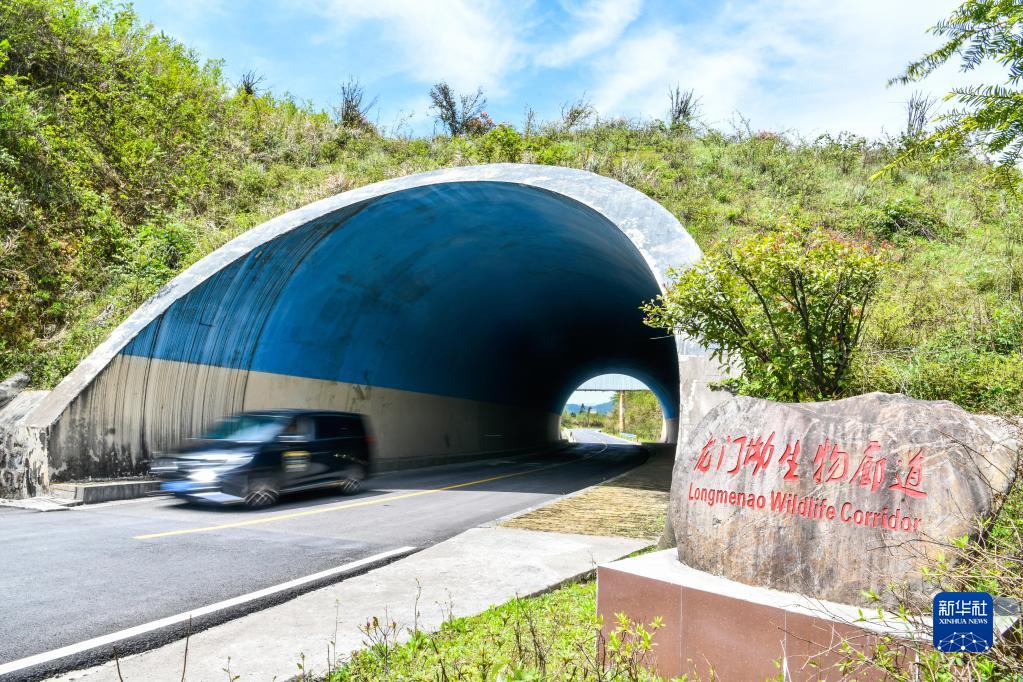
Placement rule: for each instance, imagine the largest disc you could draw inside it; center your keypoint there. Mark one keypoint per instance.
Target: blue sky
(798, 66)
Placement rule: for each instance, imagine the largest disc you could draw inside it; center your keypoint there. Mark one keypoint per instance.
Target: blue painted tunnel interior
(490, 291)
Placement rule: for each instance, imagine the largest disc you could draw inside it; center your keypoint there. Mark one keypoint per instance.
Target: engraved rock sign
(831, 499)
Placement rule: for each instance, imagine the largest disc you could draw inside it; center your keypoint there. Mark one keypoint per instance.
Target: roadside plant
(919, 111)
(577, 113)
(556, 636)
(502, 143)
(251, 83)
(352, 112)
(460, 114)
(787, 307)
(990, 117)
(683, 108)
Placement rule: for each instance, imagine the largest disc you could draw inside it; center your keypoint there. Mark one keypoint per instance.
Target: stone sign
(831, 499)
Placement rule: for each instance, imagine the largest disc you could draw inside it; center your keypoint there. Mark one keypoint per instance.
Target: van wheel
(261, 494)
(351, 481)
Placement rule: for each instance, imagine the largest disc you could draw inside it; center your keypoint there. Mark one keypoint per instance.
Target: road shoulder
(631, 505)
(461, 576)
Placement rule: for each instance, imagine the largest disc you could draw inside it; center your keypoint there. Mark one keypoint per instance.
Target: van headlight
(205, 476)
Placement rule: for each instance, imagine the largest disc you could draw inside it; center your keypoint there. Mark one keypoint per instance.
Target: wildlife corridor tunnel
(457, 308)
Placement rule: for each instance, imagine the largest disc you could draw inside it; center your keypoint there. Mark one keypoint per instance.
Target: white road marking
(72, 649)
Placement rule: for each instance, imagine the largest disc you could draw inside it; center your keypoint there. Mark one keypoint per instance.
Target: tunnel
(458, 309)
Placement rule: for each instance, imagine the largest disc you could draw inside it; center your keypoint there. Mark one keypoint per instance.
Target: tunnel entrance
(457, 309)
(621, 406)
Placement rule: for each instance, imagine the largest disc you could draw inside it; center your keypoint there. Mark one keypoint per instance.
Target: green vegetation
(552, 637)
(990, 118)
(123, 159)
(790, 305)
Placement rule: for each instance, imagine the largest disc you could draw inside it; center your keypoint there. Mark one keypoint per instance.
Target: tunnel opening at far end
(456, 315)
(618, 409)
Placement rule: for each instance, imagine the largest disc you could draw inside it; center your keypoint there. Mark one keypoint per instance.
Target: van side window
(299, 426)
(332, 427)
(337, 426)
(355, 427)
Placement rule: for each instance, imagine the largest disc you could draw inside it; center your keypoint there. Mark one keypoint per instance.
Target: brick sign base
(715, 628)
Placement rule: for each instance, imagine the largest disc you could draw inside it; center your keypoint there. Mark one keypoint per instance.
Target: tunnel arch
(665, 395)
(454, 307)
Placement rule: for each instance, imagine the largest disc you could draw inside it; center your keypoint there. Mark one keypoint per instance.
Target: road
(595, 436)
(73, 575)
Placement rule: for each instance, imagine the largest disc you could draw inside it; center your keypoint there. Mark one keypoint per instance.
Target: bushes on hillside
(109, 134)
(787, 308)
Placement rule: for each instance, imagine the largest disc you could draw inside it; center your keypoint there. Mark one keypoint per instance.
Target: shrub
(502, 143)
(460, 114)
(789, 306)
(905, 217)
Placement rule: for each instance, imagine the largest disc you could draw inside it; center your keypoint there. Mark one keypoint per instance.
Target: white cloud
(637, 74)
(601, 23)
(803, 65)
(465, 42)
(800, 65)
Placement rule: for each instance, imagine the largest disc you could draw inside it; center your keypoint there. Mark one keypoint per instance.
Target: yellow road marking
(349, 505)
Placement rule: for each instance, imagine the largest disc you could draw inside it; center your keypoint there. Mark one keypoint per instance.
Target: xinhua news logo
(963, 621)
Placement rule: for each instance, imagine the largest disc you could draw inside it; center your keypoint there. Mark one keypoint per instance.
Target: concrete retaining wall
(23, 463)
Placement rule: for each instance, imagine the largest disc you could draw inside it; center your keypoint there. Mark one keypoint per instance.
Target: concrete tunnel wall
(457, 308)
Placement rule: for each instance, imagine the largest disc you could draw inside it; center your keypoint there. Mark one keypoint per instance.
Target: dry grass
(632, 505)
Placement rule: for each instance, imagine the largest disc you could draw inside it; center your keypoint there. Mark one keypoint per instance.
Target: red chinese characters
(871, 472)
(914, 477)
(703, 463)
(790, 458)
(748, 451)
(831, 466)
(831, 463)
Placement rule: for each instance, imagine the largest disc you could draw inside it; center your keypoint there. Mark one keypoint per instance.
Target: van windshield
(251, 428)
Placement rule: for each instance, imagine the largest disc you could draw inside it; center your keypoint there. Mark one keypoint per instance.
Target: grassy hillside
(124, 158)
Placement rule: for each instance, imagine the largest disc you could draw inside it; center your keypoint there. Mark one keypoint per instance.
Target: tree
(789, 306)
(463, 114)
(990, 116)
(250, 83)
(683, 107)
(919, 111)
(577, 113)
(352, 113)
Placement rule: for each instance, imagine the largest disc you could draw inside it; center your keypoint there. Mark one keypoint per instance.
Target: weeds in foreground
(552, 637)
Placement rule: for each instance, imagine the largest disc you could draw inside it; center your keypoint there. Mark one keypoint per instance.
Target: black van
(255, 457)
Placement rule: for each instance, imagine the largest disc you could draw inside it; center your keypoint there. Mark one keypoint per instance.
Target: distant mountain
(603, 408)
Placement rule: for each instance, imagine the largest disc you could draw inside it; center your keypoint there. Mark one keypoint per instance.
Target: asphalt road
(73, 575)
(595, 436)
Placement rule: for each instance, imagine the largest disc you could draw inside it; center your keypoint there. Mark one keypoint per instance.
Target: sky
(803, 67)
(590, 398)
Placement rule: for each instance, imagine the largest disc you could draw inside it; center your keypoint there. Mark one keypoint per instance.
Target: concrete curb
(459, 577)
(103, 491)
(148, 639)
